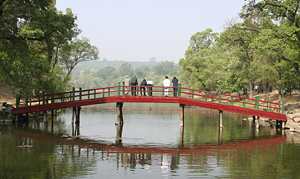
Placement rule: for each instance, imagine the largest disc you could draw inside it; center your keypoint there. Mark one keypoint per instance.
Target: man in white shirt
(167, 84)
(127, 83)
(150, 83)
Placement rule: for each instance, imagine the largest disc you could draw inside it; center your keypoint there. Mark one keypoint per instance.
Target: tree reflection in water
(46, 151)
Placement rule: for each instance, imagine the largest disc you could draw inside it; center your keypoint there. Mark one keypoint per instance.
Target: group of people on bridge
(148, 85)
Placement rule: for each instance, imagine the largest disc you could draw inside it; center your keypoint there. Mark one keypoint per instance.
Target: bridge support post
(257, 123)
(44, 116)
(181, 136)
(181, 115)
(253, 121)
(220, 134)
(73, 114)
(283, 124)
(119, 113)
(221, 118)
(119, 129)
(279, 124)
(77, 114)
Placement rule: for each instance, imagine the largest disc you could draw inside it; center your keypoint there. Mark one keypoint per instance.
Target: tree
(140, 73)
(30, 35)
(198, 59)
(166, 68)
(79, 50)
(279, 36)
(126, 69)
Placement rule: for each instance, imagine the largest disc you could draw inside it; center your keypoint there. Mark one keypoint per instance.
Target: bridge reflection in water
(165, 156)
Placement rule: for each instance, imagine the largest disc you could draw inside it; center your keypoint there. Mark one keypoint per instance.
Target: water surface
(148, 145)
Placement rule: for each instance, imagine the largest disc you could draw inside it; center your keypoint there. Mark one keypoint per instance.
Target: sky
(138, 30)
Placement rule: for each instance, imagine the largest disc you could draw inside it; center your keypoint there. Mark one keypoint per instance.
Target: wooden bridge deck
(223, 102)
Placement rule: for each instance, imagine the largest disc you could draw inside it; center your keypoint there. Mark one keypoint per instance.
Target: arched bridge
(153, 94)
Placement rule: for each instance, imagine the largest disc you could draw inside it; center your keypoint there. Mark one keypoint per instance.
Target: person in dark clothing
(143, 87)
(134, 82)
(175, 84)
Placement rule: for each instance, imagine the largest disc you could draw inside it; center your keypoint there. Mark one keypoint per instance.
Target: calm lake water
(148, 145)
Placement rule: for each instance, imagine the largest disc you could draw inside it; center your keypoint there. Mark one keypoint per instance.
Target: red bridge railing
(157, 91)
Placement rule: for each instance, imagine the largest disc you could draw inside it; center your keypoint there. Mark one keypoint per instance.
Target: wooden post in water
(221, 118)
(257, 123)
(181, 115)
(119, 129)
(220, 134)
(119, 113)
(73, 114)
(283, 124)
(78, 115)
(44, 116)
(279, 124)
(181, 136)
(52, 115)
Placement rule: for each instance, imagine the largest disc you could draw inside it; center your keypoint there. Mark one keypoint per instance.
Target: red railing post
(43, 97)
(73, 93)
(123, 88)
(80, 93)
(17, 101)
(119, 89)
(219, 96)
(179, 90)
(257, 103)
(52, 97)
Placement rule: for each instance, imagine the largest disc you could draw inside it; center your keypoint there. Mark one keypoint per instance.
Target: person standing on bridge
(175, 84)
(150, 83)
(127, 83)
(134, 82)
(143, 87)
(167, 84)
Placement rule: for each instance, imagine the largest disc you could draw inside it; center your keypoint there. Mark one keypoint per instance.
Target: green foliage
(75, 52)
(166, 68)
(110, 76)
(126, 69)
(199, 68)
(38, 46)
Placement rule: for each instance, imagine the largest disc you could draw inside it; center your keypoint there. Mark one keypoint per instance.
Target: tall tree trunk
(280, 84)
(267, 92)
(251, 89)
(279, 92)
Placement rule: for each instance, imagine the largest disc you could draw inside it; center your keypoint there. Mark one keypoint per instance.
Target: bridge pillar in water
(181, 115)
(44, 116)
(279, 124)
(220, 135)
(283, 124)
(119, 129)
(255, 122)
(76, 114)
(181, 136)
(221, 118)
(119, 113)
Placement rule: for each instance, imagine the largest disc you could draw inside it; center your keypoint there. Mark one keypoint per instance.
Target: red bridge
(185, 96)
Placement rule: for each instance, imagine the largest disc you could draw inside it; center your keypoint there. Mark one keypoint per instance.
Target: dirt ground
(6, 95)
(294, 98)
